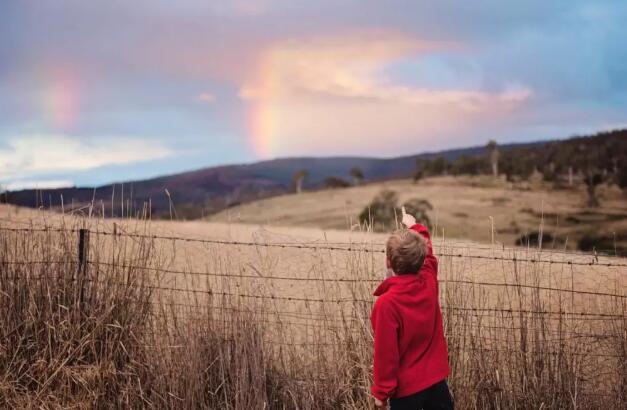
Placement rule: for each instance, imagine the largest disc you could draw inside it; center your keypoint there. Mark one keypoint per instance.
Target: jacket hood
(396, 281)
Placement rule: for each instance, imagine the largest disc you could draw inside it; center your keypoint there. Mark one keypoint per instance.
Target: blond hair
(406, 251)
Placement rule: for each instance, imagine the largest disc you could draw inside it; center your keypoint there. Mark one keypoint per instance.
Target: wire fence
(593, 259)
(535, 306)
(82, 259)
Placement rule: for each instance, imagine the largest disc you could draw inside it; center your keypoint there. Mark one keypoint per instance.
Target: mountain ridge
(211, 189)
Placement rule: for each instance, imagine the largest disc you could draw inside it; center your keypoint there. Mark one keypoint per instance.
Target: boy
(410, 353)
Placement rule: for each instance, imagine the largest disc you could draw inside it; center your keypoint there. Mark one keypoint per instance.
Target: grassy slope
(463, 207)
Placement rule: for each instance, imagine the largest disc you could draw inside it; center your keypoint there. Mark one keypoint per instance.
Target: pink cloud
(330, 94)
(206, 97)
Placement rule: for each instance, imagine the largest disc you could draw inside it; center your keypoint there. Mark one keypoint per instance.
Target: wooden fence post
(83, 255)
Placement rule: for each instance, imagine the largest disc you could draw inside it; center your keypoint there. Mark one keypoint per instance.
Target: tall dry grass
(155, 323)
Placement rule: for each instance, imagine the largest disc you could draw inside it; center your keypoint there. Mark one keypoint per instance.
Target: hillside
(463, 207)
(194, 194)
(204, 191)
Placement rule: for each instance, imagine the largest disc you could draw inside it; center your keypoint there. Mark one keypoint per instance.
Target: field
(477, 208)
(234, 316)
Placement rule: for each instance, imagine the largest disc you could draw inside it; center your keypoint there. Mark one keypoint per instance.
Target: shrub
(383, 213)
(535, 239)
(603, 243)
(419, 208)
(335, 182)
(380, 214)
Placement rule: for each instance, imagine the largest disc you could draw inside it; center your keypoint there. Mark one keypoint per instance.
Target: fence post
(83, 254)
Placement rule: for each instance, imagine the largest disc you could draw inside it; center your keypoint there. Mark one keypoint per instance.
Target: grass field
(476, 208)
(236, 316)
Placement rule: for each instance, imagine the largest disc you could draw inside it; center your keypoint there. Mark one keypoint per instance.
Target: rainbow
(263, 115)
(60, 97)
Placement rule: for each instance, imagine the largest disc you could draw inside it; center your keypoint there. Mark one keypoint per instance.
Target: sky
(93, 92)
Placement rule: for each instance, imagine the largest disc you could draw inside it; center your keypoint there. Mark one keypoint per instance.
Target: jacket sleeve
(386, 356)
(430, 265)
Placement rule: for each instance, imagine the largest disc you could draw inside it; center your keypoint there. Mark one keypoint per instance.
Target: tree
(468, 165)
(593, 178)
(593, 166)
(493, 155)
(439, 166)
(298, 179)
(418, 176)
(335, 182)
(621, 175)
(422, 166)
(357, 174)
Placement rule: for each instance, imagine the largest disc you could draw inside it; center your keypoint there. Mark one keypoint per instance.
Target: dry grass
(163, 323)
(513, 210)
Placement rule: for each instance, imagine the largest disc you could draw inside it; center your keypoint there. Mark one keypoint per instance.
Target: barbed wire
(349, 249)
(310, 279)
(304, 299)
(593, 262)
(352, 280)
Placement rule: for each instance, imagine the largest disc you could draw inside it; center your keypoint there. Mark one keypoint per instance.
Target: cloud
(206, 97)
(41, 154)
(37, 184)
(334, 94)
(353, 66)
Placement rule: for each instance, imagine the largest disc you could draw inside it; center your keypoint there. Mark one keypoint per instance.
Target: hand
(408, 220)
(378, 403)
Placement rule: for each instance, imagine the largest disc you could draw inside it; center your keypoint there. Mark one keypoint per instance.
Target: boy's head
(406, 251)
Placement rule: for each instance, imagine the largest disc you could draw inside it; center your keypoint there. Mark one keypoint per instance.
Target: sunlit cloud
(206, 97)
(41, 154)
(36, 184)
(334, 90)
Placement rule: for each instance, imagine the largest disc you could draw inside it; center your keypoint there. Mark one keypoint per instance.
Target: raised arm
(430, 265)
(422, 230)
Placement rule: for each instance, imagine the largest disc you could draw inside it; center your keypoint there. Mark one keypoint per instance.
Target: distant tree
(550, 173)
(418, 175)
(468, 165)
(519, 163)
(335, 182)
(298, 179)
(621, 175)
(422, 167)
(357, 174)
(592, 163)
(439, 166)
(592, 179)
(493, 156)
(419, 208)
(570, 175)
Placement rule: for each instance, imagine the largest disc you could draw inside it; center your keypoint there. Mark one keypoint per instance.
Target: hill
(478, 208)
(194, 194)
(200, 192)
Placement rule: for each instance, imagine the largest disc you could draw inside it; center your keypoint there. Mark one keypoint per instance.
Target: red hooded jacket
(410, 352)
